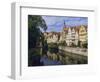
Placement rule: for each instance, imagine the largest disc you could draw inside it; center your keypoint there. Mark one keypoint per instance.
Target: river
(63, 58)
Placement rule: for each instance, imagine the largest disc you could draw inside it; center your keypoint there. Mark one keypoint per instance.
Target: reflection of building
(73, 36)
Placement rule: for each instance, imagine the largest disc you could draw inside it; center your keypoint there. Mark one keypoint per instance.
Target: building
(73, 36)
(83, 36)
(52, 37)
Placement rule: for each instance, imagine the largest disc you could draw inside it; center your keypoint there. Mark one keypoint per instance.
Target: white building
(72, 36)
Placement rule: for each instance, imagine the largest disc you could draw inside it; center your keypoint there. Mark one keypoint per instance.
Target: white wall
(5, 38)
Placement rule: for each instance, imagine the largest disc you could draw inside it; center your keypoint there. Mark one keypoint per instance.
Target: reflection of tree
(53, 48)
(44, 47)
(34, 33)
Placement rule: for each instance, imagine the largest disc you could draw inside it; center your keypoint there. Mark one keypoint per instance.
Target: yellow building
(83, 34)
(52, 37)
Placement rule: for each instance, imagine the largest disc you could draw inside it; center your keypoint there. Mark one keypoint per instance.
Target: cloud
(49, 19)
(56, 23)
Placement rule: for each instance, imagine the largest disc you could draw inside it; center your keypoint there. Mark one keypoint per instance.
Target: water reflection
(55, 57)
(48, 61)
(62, 58)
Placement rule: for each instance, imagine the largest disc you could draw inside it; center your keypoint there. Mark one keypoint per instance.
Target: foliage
(36, 21)
(34, 33)
(53, 47)
(34, 57)
(62, 43)
(78, 43)
(44, 47)
(85, 45)
(73, 45)
(35, 38)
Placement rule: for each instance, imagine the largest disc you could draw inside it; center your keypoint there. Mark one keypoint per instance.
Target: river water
(63, 58)
(48, 61)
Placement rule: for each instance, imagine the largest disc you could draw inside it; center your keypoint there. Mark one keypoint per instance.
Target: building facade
(83, 35)
(73, 36)
(52, 37)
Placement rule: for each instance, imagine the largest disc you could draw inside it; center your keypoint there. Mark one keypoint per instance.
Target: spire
(64, 24)
(64, 27)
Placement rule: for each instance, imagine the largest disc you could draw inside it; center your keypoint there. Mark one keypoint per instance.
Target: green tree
(35, 37)
(35, 22)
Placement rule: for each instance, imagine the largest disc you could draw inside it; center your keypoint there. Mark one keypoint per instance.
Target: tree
(35, 22)
(79, 43)
(35, 37)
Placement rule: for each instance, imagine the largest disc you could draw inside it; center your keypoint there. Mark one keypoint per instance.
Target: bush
(53, 47)
(85, 45)
(62, 43)
(44, 47)
(73, 45)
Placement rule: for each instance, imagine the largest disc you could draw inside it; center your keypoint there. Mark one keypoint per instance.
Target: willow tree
(35, 22)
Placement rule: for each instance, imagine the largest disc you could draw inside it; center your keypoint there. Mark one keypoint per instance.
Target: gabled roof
(76, 28)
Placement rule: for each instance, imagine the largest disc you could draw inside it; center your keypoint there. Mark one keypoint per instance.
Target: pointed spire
(64, 24)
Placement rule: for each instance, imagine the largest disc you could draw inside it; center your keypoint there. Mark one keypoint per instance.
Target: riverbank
(80, 51)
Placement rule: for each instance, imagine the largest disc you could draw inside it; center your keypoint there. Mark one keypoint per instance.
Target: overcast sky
(56, 23)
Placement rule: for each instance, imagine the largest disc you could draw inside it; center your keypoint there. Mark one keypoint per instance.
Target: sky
(56, 23)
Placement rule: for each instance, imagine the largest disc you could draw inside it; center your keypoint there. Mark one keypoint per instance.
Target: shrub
(85, 45)
(53, 47)
(62, 43)
(73, 45)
